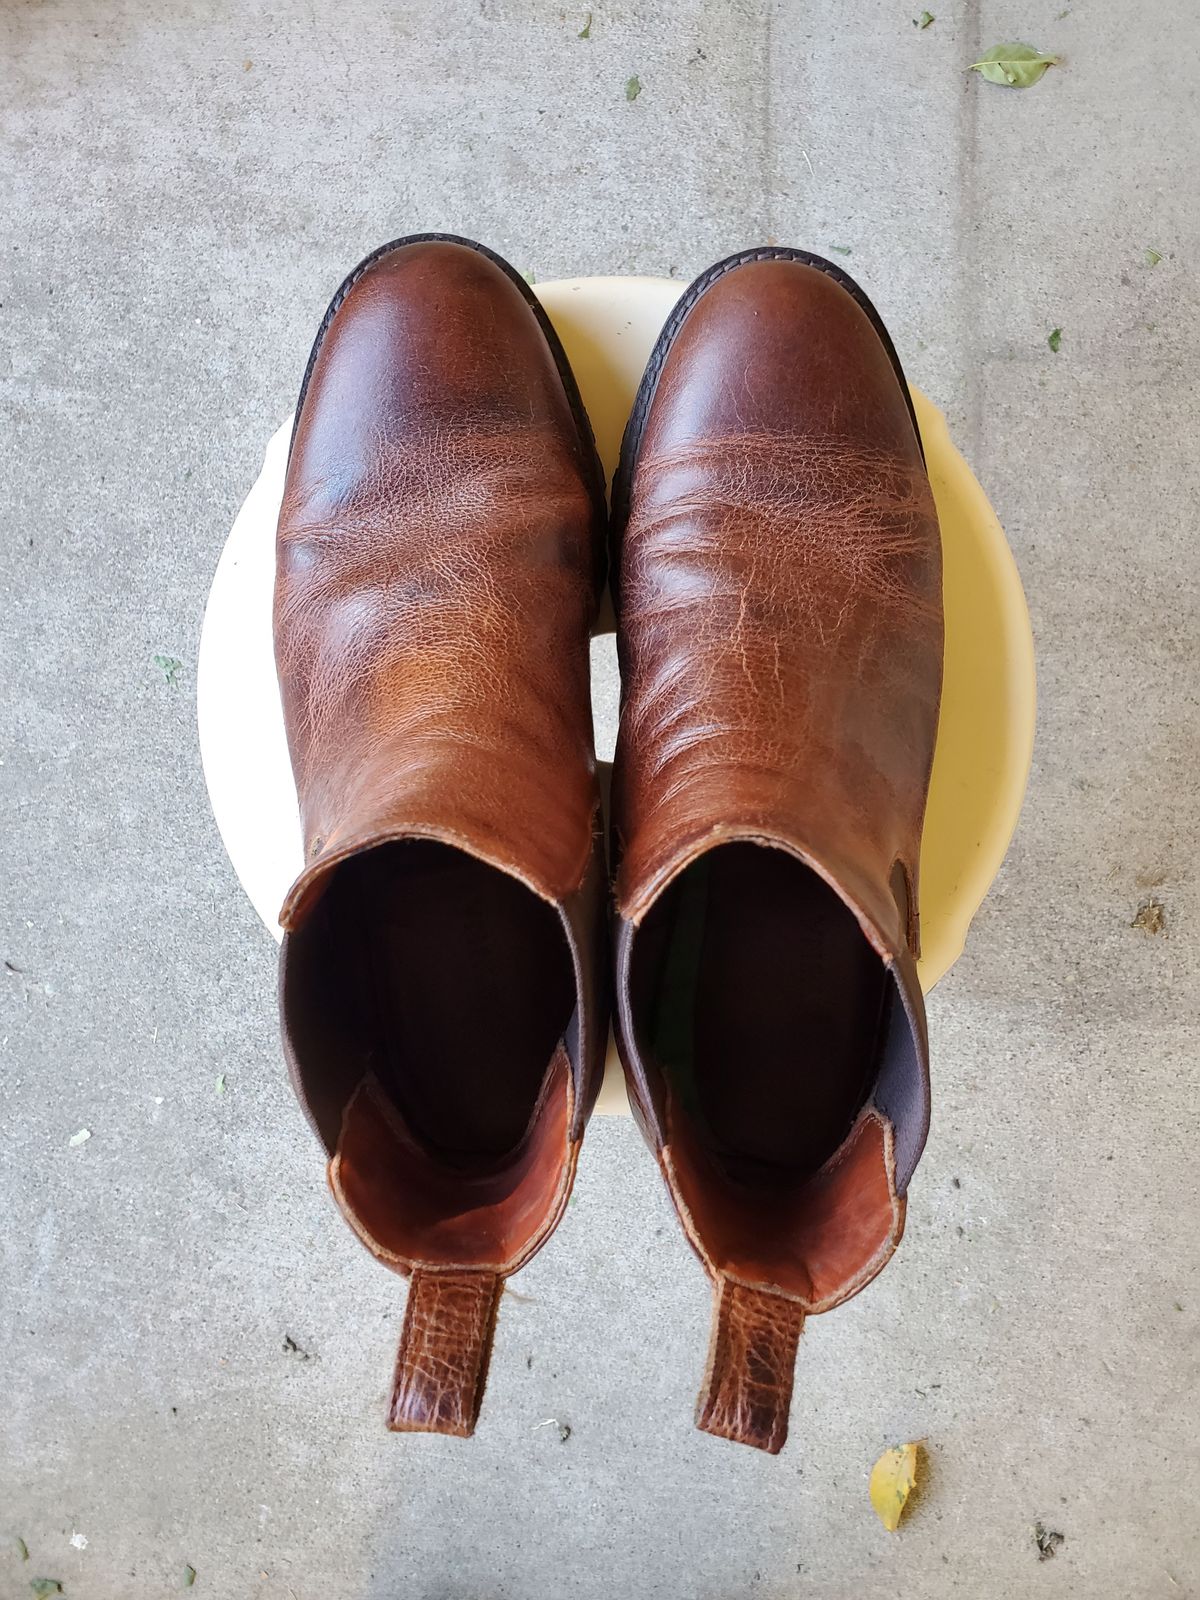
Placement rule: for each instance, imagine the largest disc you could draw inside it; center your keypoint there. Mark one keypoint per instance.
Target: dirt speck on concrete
(1047, 1540)
(1150, 917)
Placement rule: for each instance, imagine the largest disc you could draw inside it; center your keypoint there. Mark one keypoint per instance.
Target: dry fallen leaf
(1047, 1541)
(893, 1478)
(1150, 917)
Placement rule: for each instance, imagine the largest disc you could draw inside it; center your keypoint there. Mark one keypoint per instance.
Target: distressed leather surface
(441, 1367)
(747, 1390)
(779, 583)
(437, 564)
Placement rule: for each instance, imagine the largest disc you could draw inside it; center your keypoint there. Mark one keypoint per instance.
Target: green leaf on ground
(1055, 339)
(1153, 257)
(586, 31)
(1016, 66)
(189, 1577)
(530, 278)
(221, 1084)
(924, 19)
(169, 666)
(840, 249)
(633, 87)
(22, 1548)
(44, 1587)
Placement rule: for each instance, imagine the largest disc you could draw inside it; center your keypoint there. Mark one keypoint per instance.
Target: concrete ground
(184, 183)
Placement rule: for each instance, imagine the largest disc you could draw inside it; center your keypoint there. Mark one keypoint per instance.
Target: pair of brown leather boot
(445, 971)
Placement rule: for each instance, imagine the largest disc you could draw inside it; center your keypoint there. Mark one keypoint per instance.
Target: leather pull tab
(747, 1389)
(442, 1363)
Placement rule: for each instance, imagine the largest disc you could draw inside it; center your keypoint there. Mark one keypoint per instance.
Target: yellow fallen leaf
(893, 1478)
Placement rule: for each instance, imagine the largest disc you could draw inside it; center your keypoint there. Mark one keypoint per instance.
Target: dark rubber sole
(631, 441)
(593, 468)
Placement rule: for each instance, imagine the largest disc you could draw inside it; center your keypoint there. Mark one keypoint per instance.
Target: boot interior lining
(464, 987)
(764, 1006)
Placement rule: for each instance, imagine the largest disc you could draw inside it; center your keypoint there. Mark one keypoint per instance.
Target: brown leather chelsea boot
(443, 973)
(778, 594)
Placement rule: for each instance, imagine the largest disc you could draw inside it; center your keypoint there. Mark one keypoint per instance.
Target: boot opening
(467, 981)
(765, 1013)
(426, 999)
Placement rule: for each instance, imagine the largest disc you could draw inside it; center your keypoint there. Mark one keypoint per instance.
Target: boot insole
(468, 982)
(770, 1004)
